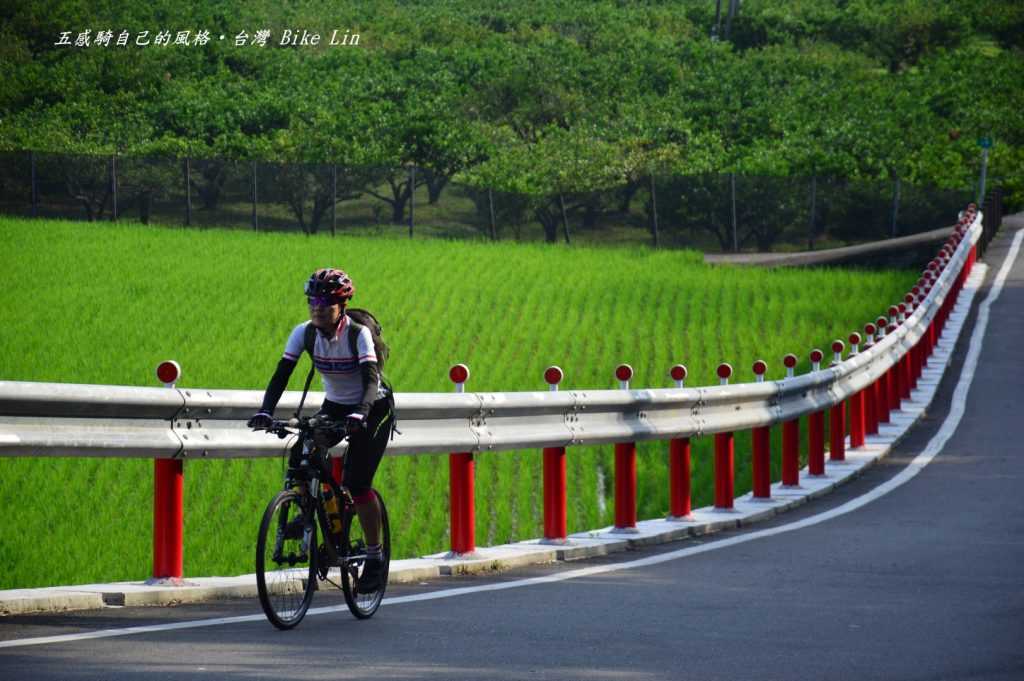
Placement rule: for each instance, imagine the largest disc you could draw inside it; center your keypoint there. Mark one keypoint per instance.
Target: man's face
(324, 313)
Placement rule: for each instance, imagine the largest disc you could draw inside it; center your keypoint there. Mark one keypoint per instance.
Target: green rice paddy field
(101, 303)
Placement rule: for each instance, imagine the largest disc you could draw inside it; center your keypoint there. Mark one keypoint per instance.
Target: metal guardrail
(55, 419)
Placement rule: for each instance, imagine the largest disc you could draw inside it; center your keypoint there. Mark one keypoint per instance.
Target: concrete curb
(600, 542)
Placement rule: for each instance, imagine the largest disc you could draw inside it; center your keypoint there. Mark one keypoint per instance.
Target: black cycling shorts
(366, 448)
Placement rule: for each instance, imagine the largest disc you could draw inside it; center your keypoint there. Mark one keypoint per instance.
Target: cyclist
(355, 394)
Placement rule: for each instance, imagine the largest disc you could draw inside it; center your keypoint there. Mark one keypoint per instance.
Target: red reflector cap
(459, 373)
(168, 371)
(553, 375)
(678, 372)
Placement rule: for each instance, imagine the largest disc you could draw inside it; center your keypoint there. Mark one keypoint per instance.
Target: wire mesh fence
(710, 212)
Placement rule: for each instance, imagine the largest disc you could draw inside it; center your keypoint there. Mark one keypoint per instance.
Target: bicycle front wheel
(361, 603)
(286, 559)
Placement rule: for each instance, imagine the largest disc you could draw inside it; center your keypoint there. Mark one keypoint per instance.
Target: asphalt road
(926, 582)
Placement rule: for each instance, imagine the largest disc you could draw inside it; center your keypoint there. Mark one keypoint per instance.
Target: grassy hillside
(95, 303)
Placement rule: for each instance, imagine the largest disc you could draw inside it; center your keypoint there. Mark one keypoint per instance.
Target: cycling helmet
(329, 282)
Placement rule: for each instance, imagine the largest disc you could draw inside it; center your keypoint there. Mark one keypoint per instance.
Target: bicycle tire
(353, 543)
(285, 571)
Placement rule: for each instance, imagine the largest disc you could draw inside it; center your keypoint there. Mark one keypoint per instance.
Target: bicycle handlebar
(302, 425)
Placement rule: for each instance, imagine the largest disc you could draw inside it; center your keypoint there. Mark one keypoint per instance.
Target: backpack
(357, 319)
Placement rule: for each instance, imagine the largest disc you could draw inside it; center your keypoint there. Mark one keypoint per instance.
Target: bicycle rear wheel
(353, 544)
(286, 559)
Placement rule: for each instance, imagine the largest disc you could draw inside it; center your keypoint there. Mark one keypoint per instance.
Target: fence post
(735, 236)
(680, 505)
(790, 438)
(35, 186)
(494, 224)
(837, 414)
(814, 212)
(461, 484)
(188, 191)
(725, 457)
(255, 217)
(113, 186)
(816, 429)
(625, 470)
(760, 470)
(554, 477)
(168, 483)
(412, 198)
(654, 212)
(895, 206)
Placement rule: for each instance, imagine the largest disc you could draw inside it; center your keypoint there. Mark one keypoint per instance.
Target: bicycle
(290, 561)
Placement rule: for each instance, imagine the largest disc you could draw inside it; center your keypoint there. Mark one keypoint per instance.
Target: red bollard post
(679, 464)
(760, 470)
(625, 469)
(816, 429)
(871, 392)
(461, 484)
(837, 414)
(906, 363)
(882, 402)
(554, 477)
(858, 422)
(895, 372)
(168, 508)
(790, 438)
(725, 457)
(922, 345)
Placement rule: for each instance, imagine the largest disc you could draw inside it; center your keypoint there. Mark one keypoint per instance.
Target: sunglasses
(322, 301)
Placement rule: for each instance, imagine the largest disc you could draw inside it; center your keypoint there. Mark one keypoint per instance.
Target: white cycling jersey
(334, 360)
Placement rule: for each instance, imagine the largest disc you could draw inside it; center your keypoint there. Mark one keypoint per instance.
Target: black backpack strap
(308, 341)
(354, 329)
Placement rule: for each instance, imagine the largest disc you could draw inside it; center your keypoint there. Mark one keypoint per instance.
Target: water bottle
(333, 512)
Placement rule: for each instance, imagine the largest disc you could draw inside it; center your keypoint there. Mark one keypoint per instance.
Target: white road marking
(934, 446)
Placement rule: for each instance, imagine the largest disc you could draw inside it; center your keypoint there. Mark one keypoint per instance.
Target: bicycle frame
(314, 461)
